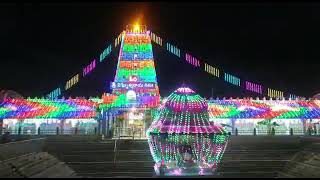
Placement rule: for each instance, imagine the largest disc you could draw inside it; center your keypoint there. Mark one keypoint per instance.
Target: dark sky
(277, 45)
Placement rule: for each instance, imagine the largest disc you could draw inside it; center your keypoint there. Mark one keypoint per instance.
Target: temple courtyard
(89, 156)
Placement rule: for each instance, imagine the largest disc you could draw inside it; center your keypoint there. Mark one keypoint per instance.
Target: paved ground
(245, 156)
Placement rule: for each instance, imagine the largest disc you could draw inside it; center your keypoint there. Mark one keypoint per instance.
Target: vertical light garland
(105, 53)
(118, 39)
(174, 50)
(253, 87)
(211, 70)
(89, 68)
(275, 93)
(72, 82)
(156, 38)
(54, 94)
(232, 79)
(228, 78)
(182, 127)
(192, 60)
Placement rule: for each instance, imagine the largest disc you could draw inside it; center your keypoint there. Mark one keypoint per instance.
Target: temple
(129, 109)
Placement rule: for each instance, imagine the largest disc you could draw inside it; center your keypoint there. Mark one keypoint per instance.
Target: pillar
(112, 124)
(99, 125)
(108, 123)
(233, 126)
(76, 130)
(101, 114)
(62, 121)
(304, 123)
(1, 126)
(273, 132)
(19, 128)
(103, 123)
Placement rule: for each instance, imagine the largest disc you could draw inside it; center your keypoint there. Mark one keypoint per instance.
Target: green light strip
(137, 48)
(293, 114)
(232, 112)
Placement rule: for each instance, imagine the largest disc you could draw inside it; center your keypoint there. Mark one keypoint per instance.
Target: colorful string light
(89, 68)
(174, 50)
(211, 70)
(232, 79)
(263, 109)
(156, 39)
(275, 93)
(118, 39)
(192, 60)
(54, 94)
(218, 109)
(253, 87)
(181, 137)
(105, 53)
(45, 108)
(72, 82)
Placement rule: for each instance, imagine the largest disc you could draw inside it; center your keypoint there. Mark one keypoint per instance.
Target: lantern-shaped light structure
(181, 138)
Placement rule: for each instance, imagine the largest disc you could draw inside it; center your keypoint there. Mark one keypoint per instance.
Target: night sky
(276, 45)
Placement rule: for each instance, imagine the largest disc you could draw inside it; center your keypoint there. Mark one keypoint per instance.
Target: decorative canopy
(181, 138)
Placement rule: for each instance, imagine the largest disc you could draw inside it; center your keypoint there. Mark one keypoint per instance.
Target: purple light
(192, 60)
(253, 87)
(184, 90)
(89, 67)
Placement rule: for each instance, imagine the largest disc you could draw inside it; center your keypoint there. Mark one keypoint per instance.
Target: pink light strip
(253, 87)
(89, 68)
(192, 60)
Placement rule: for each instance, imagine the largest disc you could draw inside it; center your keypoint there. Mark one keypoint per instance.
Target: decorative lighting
(136, 28)
(181, 138)
(45, 108)
(174, 50)
(135, 75)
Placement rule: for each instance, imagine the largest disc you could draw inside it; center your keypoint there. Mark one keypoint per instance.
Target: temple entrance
(132, 123)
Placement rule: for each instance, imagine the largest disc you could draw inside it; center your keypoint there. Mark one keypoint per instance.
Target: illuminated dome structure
(181, 138)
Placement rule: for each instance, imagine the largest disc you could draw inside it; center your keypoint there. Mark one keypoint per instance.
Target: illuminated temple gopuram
(129, 109)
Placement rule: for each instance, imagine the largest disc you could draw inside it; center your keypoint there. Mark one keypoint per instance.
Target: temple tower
(135, 80)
